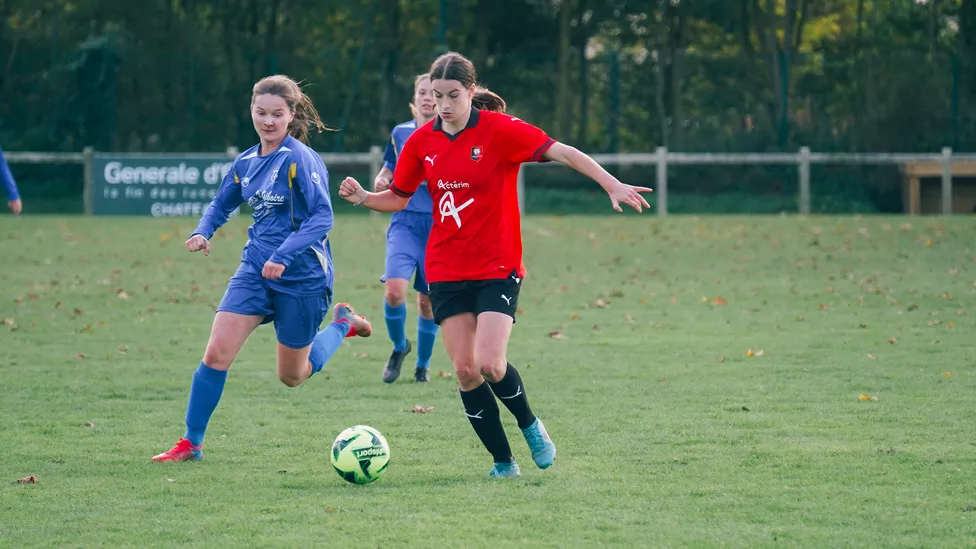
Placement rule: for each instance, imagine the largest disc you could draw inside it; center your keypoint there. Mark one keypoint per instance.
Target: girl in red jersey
(470, 156)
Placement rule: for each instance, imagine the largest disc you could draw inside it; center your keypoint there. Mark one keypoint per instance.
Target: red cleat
(358, 325)
(183, 451)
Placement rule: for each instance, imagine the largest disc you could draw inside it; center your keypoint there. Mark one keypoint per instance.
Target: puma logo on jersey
(430, 159)
(507, 299)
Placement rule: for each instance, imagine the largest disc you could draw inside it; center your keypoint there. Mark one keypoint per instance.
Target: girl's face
(271, 116)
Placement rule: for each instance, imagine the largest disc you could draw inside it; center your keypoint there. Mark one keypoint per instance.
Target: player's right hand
(351, 191)
(197, 242)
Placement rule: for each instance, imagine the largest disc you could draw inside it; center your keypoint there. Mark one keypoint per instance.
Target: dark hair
(454, 66)
(306, 117)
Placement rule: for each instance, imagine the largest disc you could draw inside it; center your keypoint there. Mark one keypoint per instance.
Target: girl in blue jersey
(406, 245)
(9, 185)
(286, 271)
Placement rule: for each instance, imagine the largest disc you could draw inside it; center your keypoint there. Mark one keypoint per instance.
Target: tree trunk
(584, 108)
(562, 114)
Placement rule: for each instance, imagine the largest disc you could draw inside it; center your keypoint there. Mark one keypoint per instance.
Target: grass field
(709, 382)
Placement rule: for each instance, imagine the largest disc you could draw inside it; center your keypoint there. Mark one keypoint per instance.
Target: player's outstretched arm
(227, 200)
(620, 193)
(386, 201)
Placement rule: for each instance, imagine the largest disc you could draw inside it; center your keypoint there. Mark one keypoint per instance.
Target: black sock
(482, 412)
(511, 391)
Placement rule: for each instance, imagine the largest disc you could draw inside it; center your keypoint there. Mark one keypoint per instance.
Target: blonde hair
(416, 82)
(306, 117)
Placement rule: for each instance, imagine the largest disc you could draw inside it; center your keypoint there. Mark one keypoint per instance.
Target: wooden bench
(927, 199)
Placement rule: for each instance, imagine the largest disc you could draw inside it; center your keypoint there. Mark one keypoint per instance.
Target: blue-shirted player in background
(10, 186)
(406, 245)
(286, 271)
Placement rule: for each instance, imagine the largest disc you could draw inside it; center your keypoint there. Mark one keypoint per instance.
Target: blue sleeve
(390, 155)
(227, 200)
(311, 179)
(7, 179)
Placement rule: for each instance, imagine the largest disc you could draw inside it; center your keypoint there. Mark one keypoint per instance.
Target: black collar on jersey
(472, 122)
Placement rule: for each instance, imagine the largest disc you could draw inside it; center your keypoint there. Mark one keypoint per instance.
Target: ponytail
(306, 118)
(487, 100)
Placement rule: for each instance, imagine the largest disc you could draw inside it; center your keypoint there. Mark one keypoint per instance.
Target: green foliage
(730, 75)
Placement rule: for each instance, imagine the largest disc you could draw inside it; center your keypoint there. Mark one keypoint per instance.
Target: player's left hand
(272, 270)
(629, 195)
(16, 206)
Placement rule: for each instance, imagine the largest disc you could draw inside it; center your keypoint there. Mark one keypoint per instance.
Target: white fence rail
(661, 159)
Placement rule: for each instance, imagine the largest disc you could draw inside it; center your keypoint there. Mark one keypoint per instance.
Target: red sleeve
(523, 141)
(409, 172)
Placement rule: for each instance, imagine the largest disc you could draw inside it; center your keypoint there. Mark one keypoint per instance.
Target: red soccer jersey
(477, 233)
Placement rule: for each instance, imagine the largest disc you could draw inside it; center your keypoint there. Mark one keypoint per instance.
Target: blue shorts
(406, 248)
(296, 318)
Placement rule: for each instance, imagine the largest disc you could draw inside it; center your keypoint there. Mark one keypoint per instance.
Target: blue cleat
(505, 470)
(543, 450)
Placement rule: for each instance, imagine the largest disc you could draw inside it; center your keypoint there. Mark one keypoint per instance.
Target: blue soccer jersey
(420, 202)
(288, 190)
(7, 179)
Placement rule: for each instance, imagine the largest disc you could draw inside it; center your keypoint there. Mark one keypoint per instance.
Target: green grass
(668, 434)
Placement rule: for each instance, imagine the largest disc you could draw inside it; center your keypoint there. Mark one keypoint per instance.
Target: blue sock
(325, 344)
(205, 391)
(396, 318)
(426, 335)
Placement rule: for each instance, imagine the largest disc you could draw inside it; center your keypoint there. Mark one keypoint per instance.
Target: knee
(395, 297)
(290, 380)
(424, 307)
(468, 375)
(218, 355)
(491, 368)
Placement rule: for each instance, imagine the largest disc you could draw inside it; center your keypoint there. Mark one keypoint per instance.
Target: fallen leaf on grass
(331, 510)
(361, 355)
(78, 312)
(170, 480)
(28, 480)
(575, 316)
(601, 304)
(719, 301)
(758, 352)
(57, 305)
(419, 409)
(18, 299)
(872, 357)
(89, 424)
(935, 323)
(952, 324)
(32, 296)
(862, 325)
(8, 322)
(862, 396)
(719, 359)
(81, 356)
(893, 340)
(556, 334)
(122, 294)
(445, 374)
(946, 374)
(912, 307)
(628, 318)
(616, 293)
(968, 508)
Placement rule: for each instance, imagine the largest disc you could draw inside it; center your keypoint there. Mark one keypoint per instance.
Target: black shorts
(499, 295)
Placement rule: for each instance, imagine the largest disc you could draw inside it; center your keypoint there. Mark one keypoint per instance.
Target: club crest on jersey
(274, 176)
(245, 182)
(477, 153)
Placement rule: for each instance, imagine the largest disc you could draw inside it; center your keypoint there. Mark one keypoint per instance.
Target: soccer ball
(360, 454)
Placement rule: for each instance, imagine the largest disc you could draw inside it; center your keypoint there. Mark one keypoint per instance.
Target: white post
(89, 175)
(804, 161)
(946, 180)
(375, 165)
(662, 181)
(520, 187)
